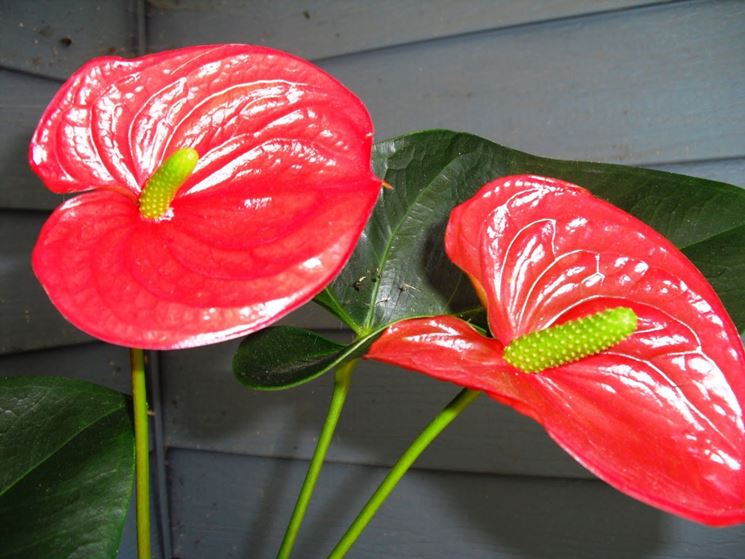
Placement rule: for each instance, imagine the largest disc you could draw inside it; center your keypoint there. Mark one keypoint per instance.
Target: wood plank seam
(503, 28)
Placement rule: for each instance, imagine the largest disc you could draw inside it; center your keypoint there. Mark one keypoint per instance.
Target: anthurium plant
(220, 187)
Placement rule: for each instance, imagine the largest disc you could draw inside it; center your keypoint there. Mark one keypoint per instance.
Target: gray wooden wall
(660, 84)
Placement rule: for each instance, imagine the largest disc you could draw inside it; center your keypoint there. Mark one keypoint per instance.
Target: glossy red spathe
(280, 193)
(659, 415)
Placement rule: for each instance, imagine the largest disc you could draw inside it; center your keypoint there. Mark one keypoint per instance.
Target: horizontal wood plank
(28, 320)
(655, 84)
(731, 171)
(232, 507)
(23, 101)
(53, 39)
(100, 363)
(314, 29)
(386, 409)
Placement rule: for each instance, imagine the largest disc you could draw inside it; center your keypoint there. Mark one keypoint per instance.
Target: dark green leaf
(399, 268)
(282, 357)
(67, 468)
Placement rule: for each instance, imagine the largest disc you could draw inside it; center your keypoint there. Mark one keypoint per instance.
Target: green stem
(438, 424)
(142, 453)
(341, 388)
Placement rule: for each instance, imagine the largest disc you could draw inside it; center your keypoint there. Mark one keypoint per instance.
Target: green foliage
(67, 467)
(283, 356)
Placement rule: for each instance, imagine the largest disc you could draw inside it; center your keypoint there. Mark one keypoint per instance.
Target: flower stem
(142, 453)
(341, 388)
(438, 424)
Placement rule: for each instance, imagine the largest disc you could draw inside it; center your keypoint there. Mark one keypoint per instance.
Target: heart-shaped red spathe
(659, 415)
(280, 194)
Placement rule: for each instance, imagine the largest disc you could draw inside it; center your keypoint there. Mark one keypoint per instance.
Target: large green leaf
(399, 268)
(67, 467)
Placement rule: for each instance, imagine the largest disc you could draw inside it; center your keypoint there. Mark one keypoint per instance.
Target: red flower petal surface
(280, 194)
(659, 415)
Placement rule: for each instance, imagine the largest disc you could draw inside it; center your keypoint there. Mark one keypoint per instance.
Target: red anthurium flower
(658, 415)
(228, 184)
